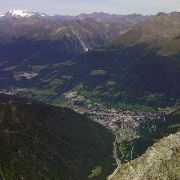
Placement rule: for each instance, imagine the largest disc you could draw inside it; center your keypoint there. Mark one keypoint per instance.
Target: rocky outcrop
(161, 161)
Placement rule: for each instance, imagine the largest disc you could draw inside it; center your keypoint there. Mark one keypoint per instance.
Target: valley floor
(124, 124)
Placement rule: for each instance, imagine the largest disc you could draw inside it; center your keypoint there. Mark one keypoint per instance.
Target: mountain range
(105, 17)
(137, 69)
(99, 17)
(38, 37)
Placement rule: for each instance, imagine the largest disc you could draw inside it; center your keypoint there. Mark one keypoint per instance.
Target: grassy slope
(40, 141)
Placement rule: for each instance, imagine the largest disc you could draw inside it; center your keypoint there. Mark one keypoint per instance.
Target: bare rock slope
(161, 161)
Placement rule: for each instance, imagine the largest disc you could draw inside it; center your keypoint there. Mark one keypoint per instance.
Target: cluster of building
(13, 92)
(124, 123)
(26, 75)
(111, 118)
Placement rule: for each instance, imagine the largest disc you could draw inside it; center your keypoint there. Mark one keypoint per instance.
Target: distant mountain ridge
(99, 17)
(18, 13)
(106, 17)
(23, 13)
(61, 39)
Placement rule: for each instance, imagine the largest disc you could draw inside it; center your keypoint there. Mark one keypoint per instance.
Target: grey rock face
(161, 161)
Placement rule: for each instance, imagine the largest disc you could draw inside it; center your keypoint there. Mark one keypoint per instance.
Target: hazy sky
(74, 7)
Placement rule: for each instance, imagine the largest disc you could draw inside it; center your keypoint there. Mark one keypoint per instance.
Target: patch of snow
(35, 35)
(1, 15)
(67, 34)
(86, 49)
(24, 13)
(20, 13)
(59, 30)
(81, 41)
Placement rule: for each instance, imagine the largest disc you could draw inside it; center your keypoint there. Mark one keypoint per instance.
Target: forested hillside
(40, 141)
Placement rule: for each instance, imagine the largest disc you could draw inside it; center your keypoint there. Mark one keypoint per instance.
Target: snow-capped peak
(23, 13)
(19, 13)
(1, 15)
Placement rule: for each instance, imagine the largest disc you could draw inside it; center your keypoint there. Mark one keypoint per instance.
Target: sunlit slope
(161, 31)
(161, 161)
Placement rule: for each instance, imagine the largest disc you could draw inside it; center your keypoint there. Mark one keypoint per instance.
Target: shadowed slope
(40, 141)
